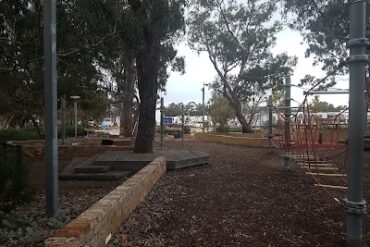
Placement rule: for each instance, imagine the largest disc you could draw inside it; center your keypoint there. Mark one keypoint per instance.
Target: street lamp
(75, 98)
(203, 106)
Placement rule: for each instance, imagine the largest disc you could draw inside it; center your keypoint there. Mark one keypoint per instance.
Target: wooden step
(327, 174)
(315, 165)
(92, 169)
(321, 168)
(311, 161)
(331, 186)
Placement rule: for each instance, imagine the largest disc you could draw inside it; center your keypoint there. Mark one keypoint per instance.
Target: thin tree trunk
(36, 125)
(5, 121)
(128, 94)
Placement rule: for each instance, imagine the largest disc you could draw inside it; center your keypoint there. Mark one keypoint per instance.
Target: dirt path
(243, 198)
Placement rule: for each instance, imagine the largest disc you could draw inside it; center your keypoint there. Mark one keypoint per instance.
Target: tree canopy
(238, 38)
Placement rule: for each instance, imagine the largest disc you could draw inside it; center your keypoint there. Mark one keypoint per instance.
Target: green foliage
(220, 111)
(173, 109)
(238, 38)
(70, 131)
(324, 26)
(18, 134)
(322, 106)
(222, 128)
(80, 56)
(28, 229)
(13, 178)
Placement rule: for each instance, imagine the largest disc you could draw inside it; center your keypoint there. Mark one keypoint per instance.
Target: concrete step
(110, 175)
(92, 169)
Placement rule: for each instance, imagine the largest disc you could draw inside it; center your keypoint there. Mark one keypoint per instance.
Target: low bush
(18, 134)
(14, 188)
(70, 131)
(222, 129)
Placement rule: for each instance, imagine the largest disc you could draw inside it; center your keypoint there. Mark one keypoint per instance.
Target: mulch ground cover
(244, 197)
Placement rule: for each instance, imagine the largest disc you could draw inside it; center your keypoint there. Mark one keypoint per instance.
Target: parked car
(106, 123)
(91, 123)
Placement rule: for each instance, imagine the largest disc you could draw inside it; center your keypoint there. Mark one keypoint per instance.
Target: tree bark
(147, 64)
(128, 95)
(246, 127)
(235, 104)
(5, 121)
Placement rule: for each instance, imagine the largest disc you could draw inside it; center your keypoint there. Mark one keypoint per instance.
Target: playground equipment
(317, 146)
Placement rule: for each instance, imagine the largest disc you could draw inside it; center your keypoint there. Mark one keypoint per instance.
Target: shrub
(187, 129)
(222, 128)
(13, 178)
(70, 131)
(18, 134)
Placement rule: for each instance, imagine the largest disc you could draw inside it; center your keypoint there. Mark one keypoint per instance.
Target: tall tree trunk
(128, 94)
(235, 104)
(147, 64)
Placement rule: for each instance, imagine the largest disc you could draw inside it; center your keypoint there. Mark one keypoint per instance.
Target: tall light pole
(355, 203)
(203, 106)
(75, 98)
(50, 92)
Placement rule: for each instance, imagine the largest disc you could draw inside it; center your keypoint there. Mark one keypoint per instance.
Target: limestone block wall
(234, 140)
(95, 226)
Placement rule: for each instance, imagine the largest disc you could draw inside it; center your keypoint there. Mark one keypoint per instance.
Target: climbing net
(317, 144)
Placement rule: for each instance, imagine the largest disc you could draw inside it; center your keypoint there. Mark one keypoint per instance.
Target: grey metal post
(355, 204)
(270, 121)
(203, 89)
(287, 114)
(63, 106)
(50, 94)
(76, 118)
(365, 109)
(182, 124)
(162, 129)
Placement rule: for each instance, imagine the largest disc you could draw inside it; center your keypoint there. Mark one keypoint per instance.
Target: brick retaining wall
(95, 226)
(87, 147)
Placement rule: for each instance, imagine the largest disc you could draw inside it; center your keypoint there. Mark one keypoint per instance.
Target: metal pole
(365, 110)
(63, 106)
(75, 106)
(50, 94)
(287, 114)
(182, 124)
(355, 203)
(162, 129)
(203, 89)
(270, 121)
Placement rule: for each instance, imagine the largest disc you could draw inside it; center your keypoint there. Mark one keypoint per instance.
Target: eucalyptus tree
(238, 38)
(324, 26)
(83, 33)
(152, 27)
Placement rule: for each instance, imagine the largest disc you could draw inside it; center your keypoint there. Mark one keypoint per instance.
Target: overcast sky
(187, 87)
